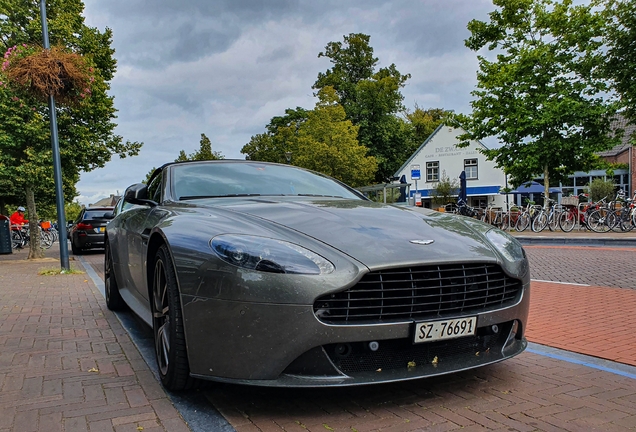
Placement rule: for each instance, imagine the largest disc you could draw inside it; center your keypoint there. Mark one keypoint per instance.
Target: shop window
(470, 167)
(582, 181)
(432, 171)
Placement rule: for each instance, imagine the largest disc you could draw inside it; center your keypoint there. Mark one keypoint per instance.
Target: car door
(137, 227)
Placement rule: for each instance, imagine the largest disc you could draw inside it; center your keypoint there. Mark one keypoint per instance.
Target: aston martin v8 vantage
(273, 275)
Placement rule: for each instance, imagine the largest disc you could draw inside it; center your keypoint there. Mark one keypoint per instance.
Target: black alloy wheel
(167, 324)
(114, 301)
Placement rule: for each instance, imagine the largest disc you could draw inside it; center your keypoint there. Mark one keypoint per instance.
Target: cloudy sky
(226, 67)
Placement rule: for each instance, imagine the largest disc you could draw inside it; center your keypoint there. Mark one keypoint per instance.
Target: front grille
(420, 293)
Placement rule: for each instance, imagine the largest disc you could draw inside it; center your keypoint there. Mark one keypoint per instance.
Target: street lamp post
(57, 164)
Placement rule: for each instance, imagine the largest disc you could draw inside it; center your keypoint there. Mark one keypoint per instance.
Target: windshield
(227, 179)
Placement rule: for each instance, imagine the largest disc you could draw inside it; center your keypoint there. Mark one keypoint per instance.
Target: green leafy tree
(72, 210)
(86, 129)
(542, 96)
(327, 142)
(371, 99)
(205, 152)
(620, 16)
(274, 144)
(423, 123)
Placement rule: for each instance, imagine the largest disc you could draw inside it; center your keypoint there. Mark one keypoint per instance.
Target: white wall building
(440, 155)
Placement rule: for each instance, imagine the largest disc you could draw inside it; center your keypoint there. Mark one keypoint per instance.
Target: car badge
(422, 242)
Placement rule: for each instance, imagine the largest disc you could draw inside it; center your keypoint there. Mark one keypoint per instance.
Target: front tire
(114, 301)
(170, 345)
(522, 222)
(540, 222)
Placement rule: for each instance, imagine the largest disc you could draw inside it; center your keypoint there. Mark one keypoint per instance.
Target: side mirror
(138, 194)
(109, 215)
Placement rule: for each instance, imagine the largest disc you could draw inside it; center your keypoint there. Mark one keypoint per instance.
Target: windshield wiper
(190, 197)
(324, 196)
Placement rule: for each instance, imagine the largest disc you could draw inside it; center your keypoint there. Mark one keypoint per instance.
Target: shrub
(445, 189)
(600, 188)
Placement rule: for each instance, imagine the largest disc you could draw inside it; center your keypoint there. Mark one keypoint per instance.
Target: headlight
(507, 245)
(268, 255)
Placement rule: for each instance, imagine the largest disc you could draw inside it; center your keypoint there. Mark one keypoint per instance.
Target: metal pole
(57, 164)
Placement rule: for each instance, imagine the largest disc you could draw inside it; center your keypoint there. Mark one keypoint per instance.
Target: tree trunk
(35, 249)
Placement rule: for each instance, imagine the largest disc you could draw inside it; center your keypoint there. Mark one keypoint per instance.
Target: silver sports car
(268, 274)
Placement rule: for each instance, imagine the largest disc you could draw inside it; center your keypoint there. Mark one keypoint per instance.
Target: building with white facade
(439, 155)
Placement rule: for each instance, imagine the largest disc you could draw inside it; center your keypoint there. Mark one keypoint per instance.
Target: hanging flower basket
(40, 72)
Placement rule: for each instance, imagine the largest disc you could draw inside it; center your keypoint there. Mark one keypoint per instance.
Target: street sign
(415, 172)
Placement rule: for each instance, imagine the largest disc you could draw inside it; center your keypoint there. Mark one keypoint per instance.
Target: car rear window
(95, 214)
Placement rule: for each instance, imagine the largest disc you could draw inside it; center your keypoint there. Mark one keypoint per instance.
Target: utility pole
(57, 164)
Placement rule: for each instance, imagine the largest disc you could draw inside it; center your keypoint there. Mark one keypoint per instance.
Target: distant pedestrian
(17, 219)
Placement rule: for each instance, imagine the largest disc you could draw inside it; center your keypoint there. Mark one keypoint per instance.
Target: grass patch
(57, 271)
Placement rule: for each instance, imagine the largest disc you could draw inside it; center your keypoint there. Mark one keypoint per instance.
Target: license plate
(446, 329)
(101, 229)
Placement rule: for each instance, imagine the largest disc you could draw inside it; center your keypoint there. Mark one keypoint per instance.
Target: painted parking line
(583, 360)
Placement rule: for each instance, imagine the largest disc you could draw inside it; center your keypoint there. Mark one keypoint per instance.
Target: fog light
(342, 350)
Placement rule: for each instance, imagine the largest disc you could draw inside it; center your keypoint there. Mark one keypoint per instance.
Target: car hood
(375, 234)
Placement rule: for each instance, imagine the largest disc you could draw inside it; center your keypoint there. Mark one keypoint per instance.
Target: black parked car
(87, 231)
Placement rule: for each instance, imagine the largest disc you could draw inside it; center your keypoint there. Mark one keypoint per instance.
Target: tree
(272, 145)
(423, 123)
(86, 129)
(620, 17)
(371, 99)
(327, 142)
(542, 96)
(205, 152)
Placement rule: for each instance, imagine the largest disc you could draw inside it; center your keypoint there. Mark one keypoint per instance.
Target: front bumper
(286, 345)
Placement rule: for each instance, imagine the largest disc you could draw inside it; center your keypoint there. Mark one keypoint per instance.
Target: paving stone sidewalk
(66, 363)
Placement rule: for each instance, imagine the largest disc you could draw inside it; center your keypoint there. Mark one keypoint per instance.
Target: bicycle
(21, 237)
(547, 216)
(466, 210)
(527, 216)
(575, 213)
(621, 217)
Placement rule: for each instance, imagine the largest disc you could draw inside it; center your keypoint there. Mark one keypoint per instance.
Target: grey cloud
(226, 67)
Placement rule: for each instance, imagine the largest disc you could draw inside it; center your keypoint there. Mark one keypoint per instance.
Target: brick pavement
(591, 320)
(529, 392)
(599, 266)
(66, 364)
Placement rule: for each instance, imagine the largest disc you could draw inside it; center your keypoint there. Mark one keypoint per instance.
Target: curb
(577, 241)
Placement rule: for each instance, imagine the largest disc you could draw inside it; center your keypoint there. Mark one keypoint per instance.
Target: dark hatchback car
(87, 231)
